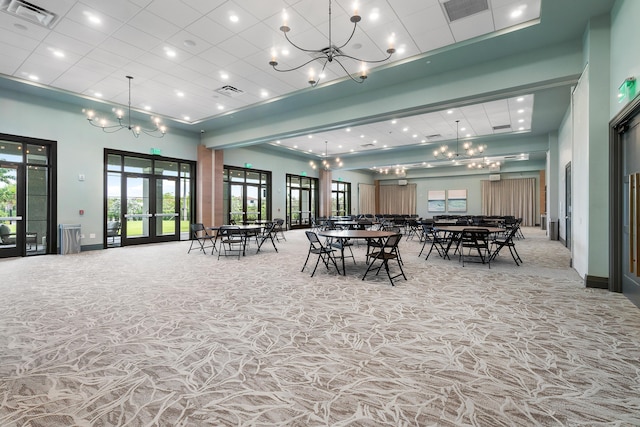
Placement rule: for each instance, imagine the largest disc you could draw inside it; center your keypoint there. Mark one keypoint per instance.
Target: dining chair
(475, 240)
(500, 242)
(203, 239)
(324, 253)
(387, 252)
(268, 233)
(279, 229)
(231, 241)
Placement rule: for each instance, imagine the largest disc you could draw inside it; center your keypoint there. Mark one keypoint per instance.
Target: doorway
(567, 203)
(148, 199)
(624, 253)
(27, 212)
(246, 195)
(302, 201)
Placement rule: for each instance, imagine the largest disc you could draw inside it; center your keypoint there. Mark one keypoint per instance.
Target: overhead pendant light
(468, 150)
(326, 163)
(157, 131)
(331, 53)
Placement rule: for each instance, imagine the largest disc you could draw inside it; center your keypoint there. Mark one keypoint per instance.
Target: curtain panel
(515, 197)
(366, 199)
(398, 199)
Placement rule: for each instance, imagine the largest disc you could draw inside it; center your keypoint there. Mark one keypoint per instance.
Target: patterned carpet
(153, 336)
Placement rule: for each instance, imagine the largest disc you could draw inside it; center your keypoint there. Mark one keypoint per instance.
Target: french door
(26, 210)
(246, 195)
(302, 200)
(147, 198)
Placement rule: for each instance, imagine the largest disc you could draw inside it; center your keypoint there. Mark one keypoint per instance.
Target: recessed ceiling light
(521, 121)
(277, 142)
(56, 52)
(285, 52)
(94, 19)
(98, 94)
(520, 111)
(34, 77)
(180, 94)
(295, 146)
(170, 52)
(520, 99)
(520, 128)
(463, 129)
(309, 136)
(233, 18)
(450, 112)
(220, 107)
(264, 93)
(362, 136)
(375, 14)
(348, 129)
(415, 135)
(224, 75)
(394, 121)
(187, 118)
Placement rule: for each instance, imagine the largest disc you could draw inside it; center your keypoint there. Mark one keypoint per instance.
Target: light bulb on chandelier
(469, 150)
(326, 164)
(484, 164)
(331, 53)
(157, 131)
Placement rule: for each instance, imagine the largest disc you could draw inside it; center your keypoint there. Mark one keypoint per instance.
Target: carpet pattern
(153, 336)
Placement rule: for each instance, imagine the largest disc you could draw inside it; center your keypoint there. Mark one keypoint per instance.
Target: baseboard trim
(596, 282)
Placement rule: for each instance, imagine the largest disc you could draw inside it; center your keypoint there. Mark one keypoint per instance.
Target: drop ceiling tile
(153, 25)
(203, 6)
(122, 48)
(105, 56)
(80, 13)
(122, 10)
(11, 38)
(189, 42)
(472, 26)
(176, 12)
(133, 36)
(80, 32)
(66, 44)
(208, 30)
(231, 8)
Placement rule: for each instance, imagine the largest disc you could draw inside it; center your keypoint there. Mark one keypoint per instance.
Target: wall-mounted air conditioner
(402, 182)
(494, 177)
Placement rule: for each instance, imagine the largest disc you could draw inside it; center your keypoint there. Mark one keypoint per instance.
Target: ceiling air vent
(229, 91)
(367, 145)
(29, 12)
(502, 127)
(434, 136)
(458, 9)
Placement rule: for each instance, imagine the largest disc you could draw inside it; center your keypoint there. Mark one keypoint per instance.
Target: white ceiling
(78, 55)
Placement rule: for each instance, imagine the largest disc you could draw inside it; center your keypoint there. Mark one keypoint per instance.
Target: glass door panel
(11, 218)
(114, 209)
(166, 202)
(252, 204)
(36, 222)
(137, 216)
(236, 214)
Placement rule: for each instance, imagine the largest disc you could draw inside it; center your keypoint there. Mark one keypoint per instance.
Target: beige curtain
(398, 199)
(366, 199)
(515, 197)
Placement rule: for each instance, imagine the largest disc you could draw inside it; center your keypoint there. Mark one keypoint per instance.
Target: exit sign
(156, 151)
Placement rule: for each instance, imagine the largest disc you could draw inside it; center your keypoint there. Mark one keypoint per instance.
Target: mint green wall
(80, 151)
(625, 60)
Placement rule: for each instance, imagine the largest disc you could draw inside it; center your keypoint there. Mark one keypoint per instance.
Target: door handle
(11, 218)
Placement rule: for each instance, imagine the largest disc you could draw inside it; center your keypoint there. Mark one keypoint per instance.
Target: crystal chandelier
(469, 151)
(157, 131)
(331, 53)
(326, 164)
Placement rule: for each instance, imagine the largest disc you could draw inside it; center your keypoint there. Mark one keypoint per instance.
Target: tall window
(247, 195)
(302, 200)
(340, 198)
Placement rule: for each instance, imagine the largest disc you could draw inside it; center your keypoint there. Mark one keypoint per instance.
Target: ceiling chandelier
(157, 131)
(331, 53)
(326, 163)
(469, 151)
(484, 164)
